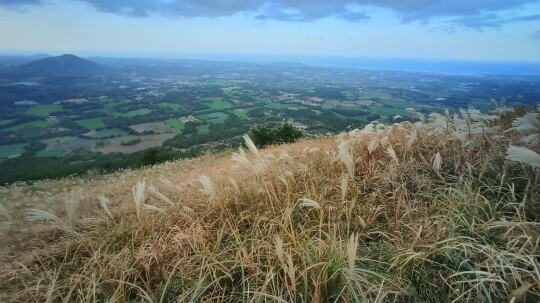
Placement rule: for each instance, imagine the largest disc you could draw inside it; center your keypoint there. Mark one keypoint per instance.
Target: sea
(431, 66)
(413, 65)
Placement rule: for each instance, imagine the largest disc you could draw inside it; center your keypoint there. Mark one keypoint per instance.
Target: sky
(486, 30)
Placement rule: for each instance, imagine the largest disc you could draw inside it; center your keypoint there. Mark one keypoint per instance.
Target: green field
(104, 133)
(7, 151)
(220, 105)
(29, 125)
(242, 113)
(110, 104)
(56, 140)
(133, 113)
(5, 122)
(43, 110)
(216, 118)
(175, 124)
(170, 105)
(202, 129)
(51, 153)
(274, 105)
(92, 124)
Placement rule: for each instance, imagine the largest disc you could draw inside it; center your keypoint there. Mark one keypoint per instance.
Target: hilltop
(444, 209)
(61, 65)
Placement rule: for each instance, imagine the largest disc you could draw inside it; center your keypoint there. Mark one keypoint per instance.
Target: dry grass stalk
(384, 232)
(104, 203)
(5, 213)
(139, 196)
(207, 187)
(436, 160)
(346, 156)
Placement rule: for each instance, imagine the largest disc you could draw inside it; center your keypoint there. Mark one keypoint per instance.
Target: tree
(150, 156)
(286, 133)
(262, 136)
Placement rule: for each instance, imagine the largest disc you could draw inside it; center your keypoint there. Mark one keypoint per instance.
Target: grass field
(51, 153)
(147, 141)
(275, 105)
(7, 151)
(203, 129)
(242, 113)
(29, 125)
(133, 113)
(56, 140)
(219, 105)
(170, 105)
(158, 127)
(104, 133)
(5, 122)
(92, 123)
(175, 124)
(74, 144)
(216, 118)
(43, 110)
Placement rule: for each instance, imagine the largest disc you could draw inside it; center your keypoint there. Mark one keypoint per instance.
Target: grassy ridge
(425, 212)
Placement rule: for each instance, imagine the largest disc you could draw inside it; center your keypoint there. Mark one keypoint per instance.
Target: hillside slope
(61, 65)
(431, 211)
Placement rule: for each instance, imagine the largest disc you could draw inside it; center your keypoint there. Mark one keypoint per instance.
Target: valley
(112, 107)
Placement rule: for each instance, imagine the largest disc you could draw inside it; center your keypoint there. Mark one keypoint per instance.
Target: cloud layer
(469, 13)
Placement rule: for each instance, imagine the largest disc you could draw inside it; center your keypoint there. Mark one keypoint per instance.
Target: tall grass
(441, 210)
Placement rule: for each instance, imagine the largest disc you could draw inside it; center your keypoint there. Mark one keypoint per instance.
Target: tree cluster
(286, 133)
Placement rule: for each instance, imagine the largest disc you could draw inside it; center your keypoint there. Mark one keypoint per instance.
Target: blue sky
(492, 30)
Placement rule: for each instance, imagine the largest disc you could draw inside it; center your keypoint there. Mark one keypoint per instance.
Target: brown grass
(429, 212)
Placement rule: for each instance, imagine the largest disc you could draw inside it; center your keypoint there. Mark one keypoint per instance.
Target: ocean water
(431, 66)
(414, 65)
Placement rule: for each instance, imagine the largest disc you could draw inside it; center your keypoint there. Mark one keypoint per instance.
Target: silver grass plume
(38, 215)
(523, 155)
(5, 213)
(139, 196)
(207, 187)
(72, 202)
(528, 123)
(104, 203)
(152, 189)
(309, 203)
(437, 161)
(392, 153)
(252, 147)
(346, 156)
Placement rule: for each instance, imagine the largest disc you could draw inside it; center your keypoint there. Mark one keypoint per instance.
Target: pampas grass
(5, 213)
(346, 156)
(207, 187)
(392, 153)
(328, 220)
(72, 203)
(523, 155)
(43, 215)
(436, 161)
(104, 204)
(305, 202)
(530, 123)
(139, 196)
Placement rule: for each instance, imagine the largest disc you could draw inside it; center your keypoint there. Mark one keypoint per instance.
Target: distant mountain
(40, 56)
(68, 65)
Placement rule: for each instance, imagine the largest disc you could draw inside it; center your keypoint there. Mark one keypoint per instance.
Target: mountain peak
(67, 64)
